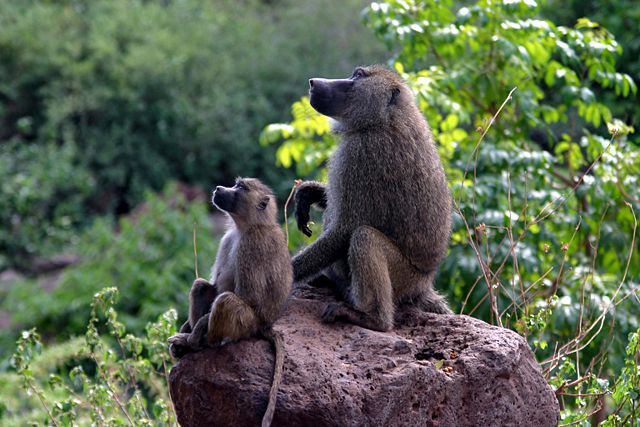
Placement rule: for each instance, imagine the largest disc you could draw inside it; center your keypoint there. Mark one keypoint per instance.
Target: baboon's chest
(227, 272)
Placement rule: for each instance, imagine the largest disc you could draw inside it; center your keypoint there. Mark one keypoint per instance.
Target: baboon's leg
(371, 254)
(231, 318)
(201, 297)
(192, 332)
(381, 278)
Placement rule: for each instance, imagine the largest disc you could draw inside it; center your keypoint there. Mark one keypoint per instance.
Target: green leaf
(449, 123)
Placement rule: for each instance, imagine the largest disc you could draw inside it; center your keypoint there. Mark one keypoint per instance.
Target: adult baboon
(250, 279)
(388, 208)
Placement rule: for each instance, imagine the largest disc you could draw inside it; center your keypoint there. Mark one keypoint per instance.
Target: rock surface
(431, 370)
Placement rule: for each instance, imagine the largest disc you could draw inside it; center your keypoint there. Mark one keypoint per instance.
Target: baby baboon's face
(245, 199)
(225, 198)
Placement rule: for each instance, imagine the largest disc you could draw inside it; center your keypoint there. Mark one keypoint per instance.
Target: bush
(112, 378)
(620, 18)
(150, 260)
(42, 192)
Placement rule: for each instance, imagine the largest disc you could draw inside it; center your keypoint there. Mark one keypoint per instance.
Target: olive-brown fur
(250, 279)
(388, 208)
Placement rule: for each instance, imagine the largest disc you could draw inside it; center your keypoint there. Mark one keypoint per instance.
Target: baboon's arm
(329, 247)
(307, 194)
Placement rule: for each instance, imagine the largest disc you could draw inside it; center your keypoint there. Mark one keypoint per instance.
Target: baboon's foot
(434, 303)
(338, 311)
(179, 345)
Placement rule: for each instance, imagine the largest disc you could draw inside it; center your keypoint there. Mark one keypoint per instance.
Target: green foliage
(544, 237)
(307, 141)
(626, 391)
(152, 91)
(619, 17)
(306, 144)
(42, 190)
(150, 260)
(111, 378)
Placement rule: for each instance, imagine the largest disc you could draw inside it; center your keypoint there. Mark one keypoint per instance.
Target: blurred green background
(117, 117)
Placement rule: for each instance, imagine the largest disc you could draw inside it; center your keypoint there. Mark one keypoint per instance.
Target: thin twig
(485, 267)
(166, 377)
(484, 133)
(195, 251)
(113, 393)
(575, 345)
(572, 383)
(46, 408)
(296, 184)
(542, 215)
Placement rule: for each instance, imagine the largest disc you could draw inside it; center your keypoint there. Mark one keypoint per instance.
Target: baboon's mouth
(318, 93)
(222, 200)
(321, 101)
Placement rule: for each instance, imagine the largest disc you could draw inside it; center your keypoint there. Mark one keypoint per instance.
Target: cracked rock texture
(431, 370)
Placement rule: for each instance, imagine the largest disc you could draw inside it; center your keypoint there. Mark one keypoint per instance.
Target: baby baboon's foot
(179, 345)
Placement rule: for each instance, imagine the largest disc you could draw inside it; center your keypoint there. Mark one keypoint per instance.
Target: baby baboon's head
(371, 96)
(249, 201)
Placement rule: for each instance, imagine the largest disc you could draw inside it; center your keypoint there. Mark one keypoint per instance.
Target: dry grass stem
(296, 184)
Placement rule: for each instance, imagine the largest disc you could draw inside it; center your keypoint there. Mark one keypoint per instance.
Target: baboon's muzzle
(224, 198)
(329, 96)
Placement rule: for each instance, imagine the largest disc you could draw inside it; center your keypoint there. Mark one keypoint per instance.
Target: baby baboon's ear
(395, 92)
(263, 203)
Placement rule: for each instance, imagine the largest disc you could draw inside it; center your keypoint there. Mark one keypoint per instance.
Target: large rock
(432, 370)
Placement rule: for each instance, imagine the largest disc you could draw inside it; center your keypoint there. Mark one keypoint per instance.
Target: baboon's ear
(263, 203)
(395, 93)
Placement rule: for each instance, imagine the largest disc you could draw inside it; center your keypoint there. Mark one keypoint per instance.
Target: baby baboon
(250, 279)
(388, 208)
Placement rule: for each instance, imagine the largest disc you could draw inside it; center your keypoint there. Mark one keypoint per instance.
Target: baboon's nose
(218, 188)
(310, 82)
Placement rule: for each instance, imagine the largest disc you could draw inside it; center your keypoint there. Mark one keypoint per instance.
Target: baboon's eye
(358, 73)
(242, 186)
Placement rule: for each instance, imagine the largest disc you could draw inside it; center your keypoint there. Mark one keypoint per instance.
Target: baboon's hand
(302, 218)
(308, 193)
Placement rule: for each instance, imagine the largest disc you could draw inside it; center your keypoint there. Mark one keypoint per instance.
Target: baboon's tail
(278, 347)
